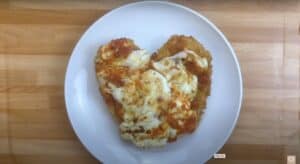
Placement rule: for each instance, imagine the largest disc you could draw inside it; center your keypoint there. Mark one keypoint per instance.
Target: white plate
(150, 24)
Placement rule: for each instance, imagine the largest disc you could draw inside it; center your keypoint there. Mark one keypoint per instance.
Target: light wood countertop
(37, 38)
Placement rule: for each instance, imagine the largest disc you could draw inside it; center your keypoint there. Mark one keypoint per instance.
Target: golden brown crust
(178, 43)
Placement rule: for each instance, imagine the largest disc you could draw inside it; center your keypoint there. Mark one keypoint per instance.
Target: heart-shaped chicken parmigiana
(158, 97)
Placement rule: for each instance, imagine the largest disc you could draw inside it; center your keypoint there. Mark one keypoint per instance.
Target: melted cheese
(190, 55)
(141, 105)
(178, 78)
(145, 95)
(137, 59)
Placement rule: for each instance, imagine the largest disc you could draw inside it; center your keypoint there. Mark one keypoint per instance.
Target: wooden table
(37, 38)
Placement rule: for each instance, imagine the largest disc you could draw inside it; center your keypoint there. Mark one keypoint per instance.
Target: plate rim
(171, 4)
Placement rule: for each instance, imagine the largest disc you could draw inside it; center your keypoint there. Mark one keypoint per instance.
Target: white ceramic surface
(150, 24)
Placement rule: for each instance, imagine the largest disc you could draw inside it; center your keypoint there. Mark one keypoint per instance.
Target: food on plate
(154, 97)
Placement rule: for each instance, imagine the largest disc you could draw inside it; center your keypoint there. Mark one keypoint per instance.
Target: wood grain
(37, 38)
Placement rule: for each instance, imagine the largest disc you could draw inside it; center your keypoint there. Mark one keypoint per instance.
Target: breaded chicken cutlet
(158, 97)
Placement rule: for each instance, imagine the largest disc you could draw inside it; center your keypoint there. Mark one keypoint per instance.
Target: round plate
(150, 24)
